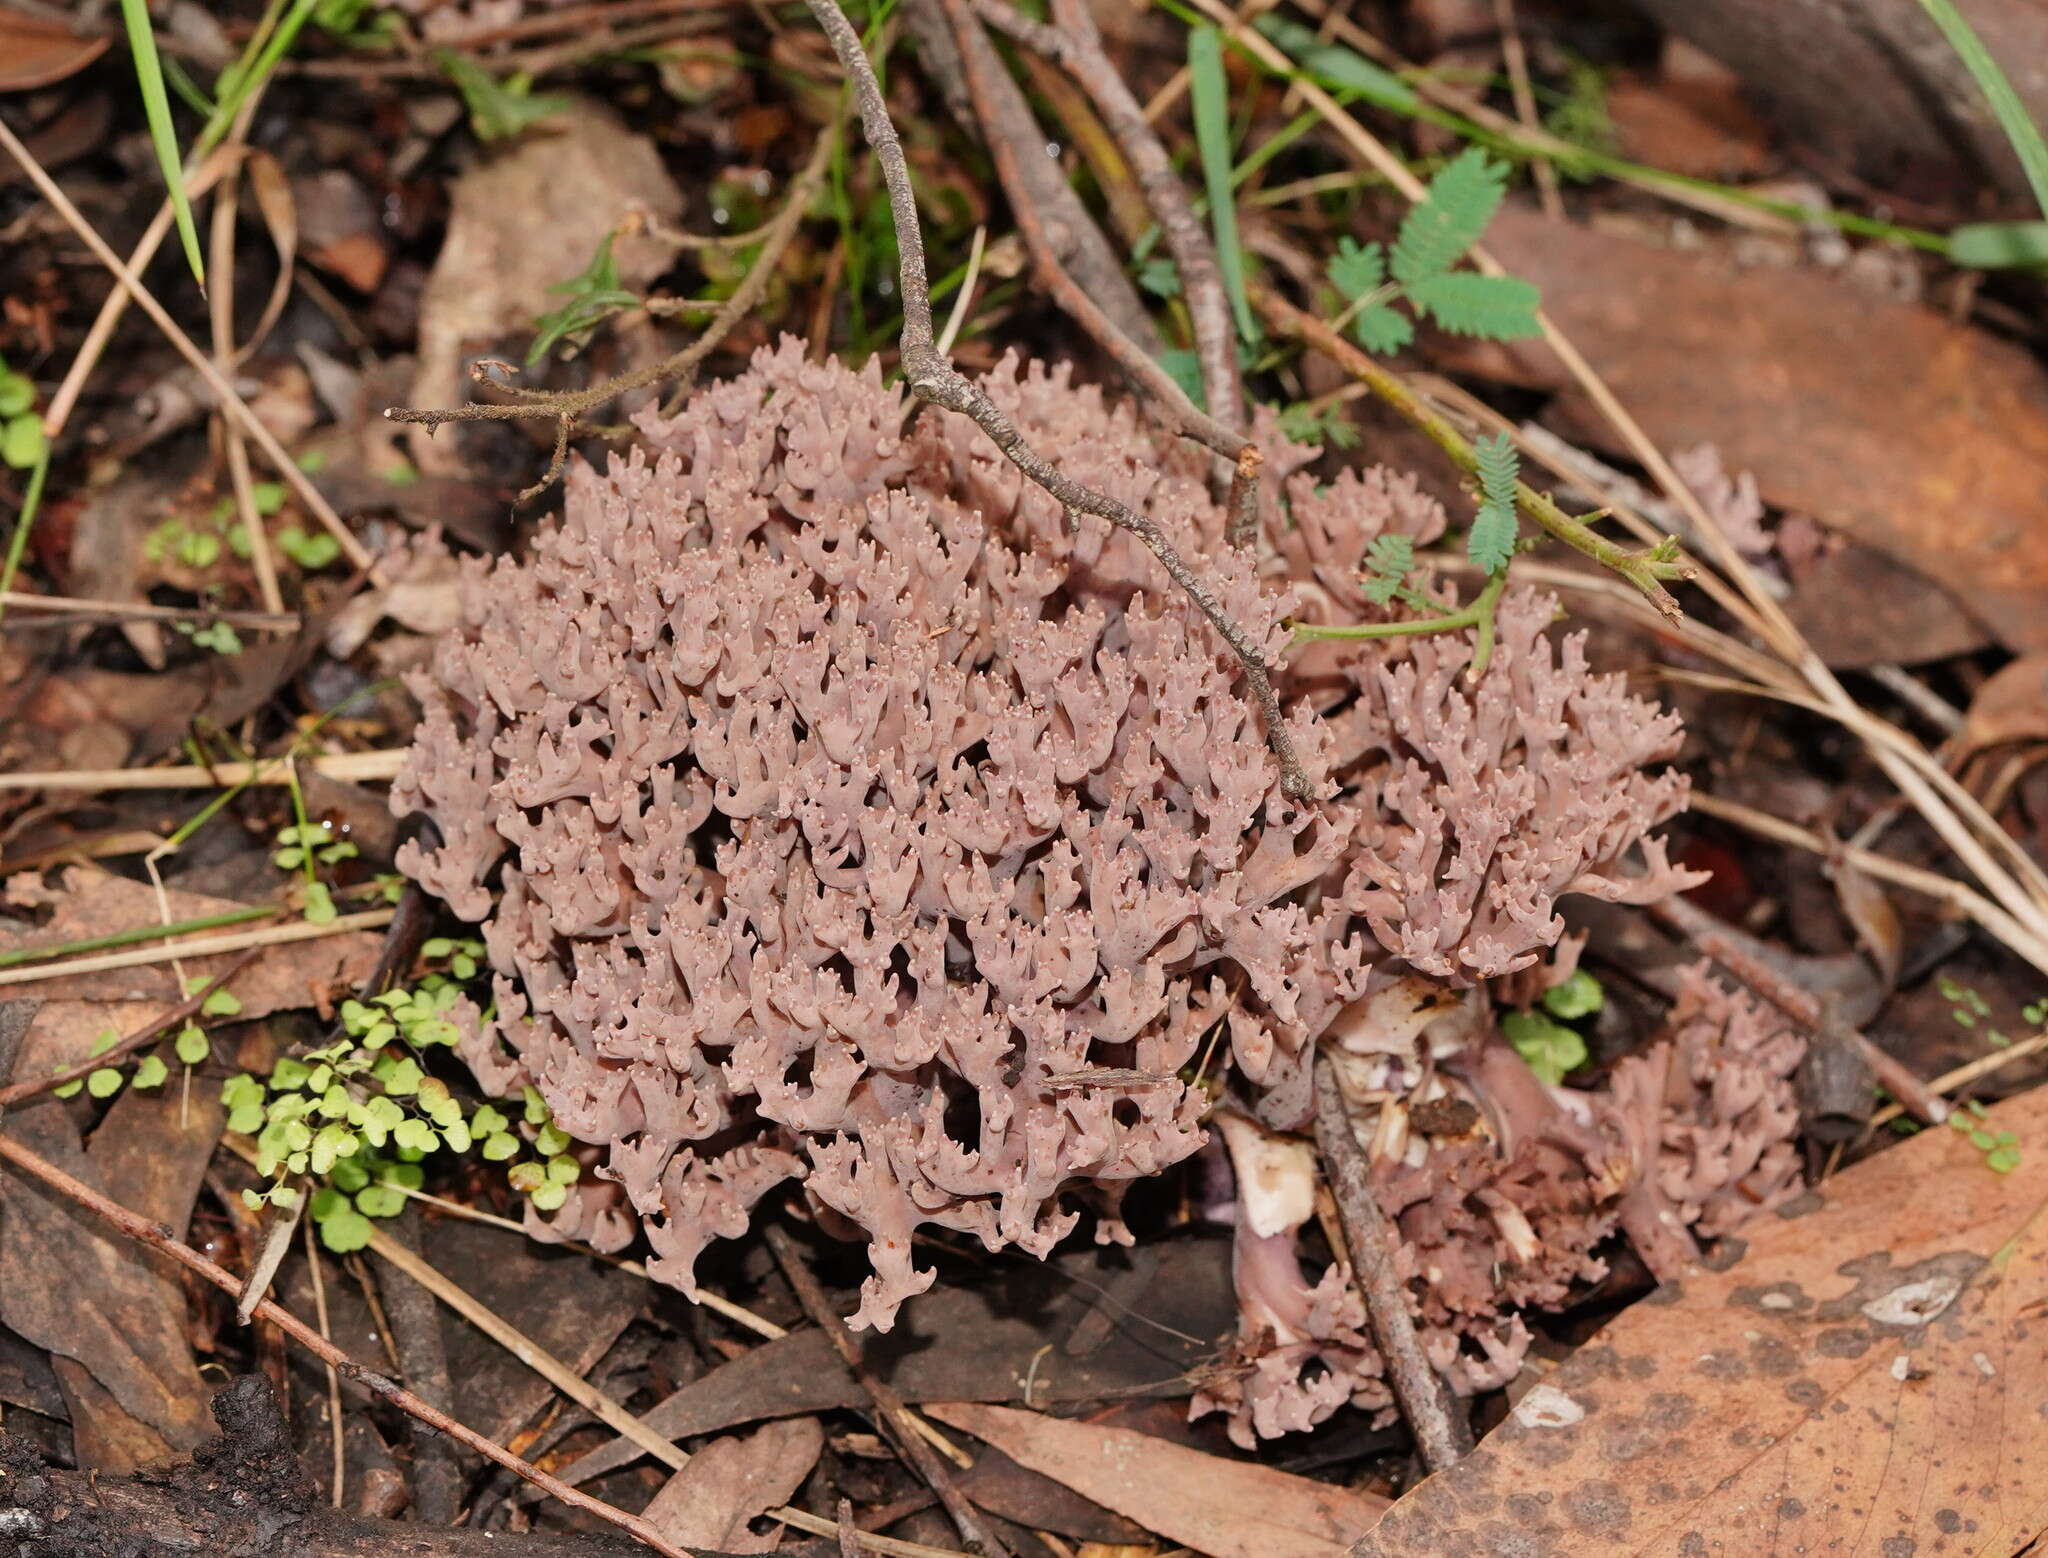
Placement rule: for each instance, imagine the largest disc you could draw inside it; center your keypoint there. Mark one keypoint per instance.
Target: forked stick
(933, 378)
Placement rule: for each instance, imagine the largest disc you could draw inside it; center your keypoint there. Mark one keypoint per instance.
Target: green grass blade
(2005, 102)
(31, 500)
(1998, 245)
(156, 103)
(1210, 93)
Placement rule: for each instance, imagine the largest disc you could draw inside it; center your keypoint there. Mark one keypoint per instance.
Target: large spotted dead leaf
(1870, 1376)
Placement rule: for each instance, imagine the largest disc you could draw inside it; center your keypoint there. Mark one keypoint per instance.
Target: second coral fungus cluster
(841, 810)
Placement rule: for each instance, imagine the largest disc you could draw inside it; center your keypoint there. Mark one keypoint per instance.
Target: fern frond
(1492, 539)
(1388, 562)
(1436, 233)
(1493, 308)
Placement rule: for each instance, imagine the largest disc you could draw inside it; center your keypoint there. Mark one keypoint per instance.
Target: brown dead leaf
(38, 51)
(1920, 623)
(152, 1148)
(1225, 1508)
(1023, 1497)
(1697, 127)
(96, 903)
(78, 1291)
(569, 1305)
(1867, 1377)
(1919, 436)
(521, 221)
(2012, 705)
(711, 1501)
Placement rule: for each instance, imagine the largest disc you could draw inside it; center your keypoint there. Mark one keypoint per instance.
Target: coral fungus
(841, 810)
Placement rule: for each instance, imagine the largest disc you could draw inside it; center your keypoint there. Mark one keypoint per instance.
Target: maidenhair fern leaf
(1492, 539)
(1437, 232)
(1494, 308)
(1357, 268)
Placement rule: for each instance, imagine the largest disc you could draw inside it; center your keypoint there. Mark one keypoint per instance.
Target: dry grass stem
(287, 468)
(199, 946)
(357, 767)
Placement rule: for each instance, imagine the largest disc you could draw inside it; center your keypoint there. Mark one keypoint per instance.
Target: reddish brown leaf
(1867, 1378)
(36, 51)
(1922, 437)
(1225, 1508)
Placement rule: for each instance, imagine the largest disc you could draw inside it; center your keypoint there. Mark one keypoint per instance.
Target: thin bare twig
(159, 1237)
(1075, 43)
(891, 1415)
(339, 1472)
(567, 405)
(1162, 391)
(358, 767)
(1442, 1433)
(143, 1036)
(934, 379)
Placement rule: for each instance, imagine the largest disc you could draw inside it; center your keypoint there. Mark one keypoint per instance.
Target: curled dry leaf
(2011, 706)
(1867, 1377)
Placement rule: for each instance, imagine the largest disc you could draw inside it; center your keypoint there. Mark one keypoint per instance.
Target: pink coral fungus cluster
(841, 810)
(1501, 1189)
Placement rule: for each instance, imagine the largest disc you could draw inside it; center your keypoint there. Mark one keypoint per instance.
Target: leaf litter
(1861, 1366)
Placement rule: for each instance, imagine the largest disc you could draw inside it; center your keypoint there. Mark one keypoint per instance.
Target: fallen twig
(1442, 1433)
(143, 1036)
(1075, 43)
(891, 1414)
(160, 1238)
